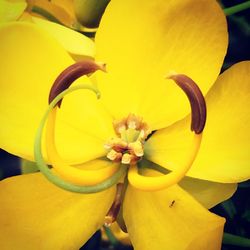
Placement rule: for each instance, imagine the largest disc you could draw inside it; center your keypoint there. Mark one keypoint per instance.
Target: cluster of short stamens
(127, 147)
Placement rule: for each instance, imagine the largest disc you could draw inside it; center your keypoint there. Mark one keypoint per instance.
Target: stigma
(128, 146)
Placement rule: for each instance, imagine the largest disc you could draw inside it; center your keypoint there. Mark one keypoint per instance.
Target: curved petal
(61, 12)
(170, 218)
(75, 43)
(67, 5)
(11, 11)
(31, 61)
(224, 155)
(207, 193)
(142, 41)
(36, 214)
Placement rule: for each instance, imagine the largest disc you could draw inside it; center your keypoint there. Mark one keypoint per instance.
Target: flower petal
(31, 61)
(224, 155)
(141, 42)
(67, 5)
(207, 193)
(36, 214)
(61, 12)
(75, 43)
(11, 11)
(170, 218)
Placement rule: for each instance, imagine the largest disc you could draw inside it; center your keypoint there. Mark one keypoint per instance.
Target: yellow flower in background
(79, 15)
(141, 42)
(11, 10)
(59, 11)
(79, 46)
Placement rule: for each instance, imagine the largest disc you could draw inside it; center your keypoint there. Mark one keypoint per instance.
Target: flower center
(127, 147)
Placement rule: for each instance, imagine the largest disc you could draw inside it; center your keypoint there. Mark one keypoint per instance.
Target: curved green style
(43, 167)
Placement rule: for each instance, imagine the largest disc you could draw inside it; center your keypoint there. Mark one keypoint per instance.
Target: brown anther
(133, 121)
(70, 74)
(115, 208)
(117, 144)
(196, 99)
(119, 126)
(145, 130)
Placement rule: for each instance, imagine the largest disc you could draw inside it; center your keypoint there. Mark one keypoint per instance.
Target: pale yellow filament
(160, 182)
(68, 172)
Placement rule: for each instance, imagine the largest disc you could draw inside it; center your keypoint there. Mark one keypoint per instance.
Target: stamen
(160, 182)
(43, 167)
(137, 148)
(132, 133)
(70, 74)
(114, 156)
(196, 99)
(115, 208)
(133, 121)
(119, 126)
(126, 158)
(67, 172)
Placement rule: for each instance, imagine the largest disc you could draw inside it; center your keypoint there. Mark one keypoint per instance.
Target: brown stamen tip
(115, 208)
(196, 99)
(70, 74)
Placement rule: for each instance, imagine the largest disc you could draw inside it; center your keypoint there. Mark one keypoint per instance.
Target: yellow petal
(67, 5)
(11, 11)
(170, 219)
(31, 61)
(142, 41)
(35, 214)
(59, 11)
(224, 155)
(75, 43)
(207, 193)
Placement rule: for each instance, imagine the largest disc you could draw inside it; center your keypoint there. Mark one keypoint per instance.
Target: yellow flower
(141, 42)
(79, 46)
(78, 15)
(59, 11)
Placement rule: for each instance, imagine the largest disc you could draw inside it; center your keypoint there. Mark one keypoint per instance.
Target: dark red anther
(70, 74)
(196, 99)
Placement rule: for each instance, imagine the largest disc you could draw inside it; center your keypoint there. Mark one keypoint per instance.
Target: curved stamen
(70, 74)
(198, 110)
(196, 99)
(115, 208)
(160, 182)
(46, 170)
(69, 173)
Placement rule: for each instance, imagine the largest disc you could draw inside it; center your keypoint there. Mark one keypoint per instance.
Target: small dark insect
(172, 203)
